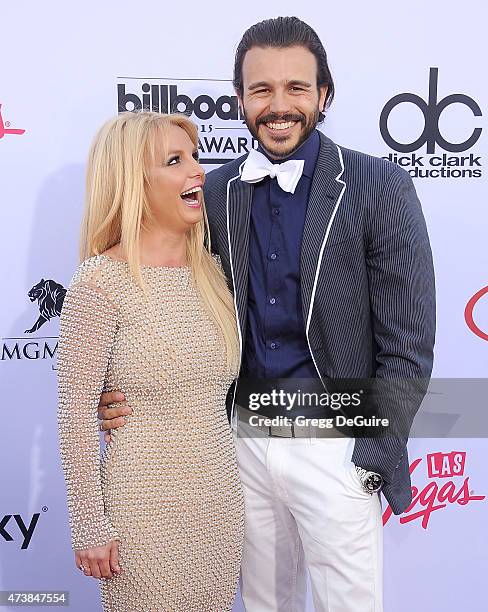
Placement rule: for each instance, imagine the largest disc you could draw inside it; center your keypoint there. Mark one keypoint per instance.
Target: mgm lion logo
(50, 297)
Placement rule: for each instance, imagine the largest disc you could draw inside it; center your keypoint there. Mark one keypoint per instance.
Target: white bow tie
(257, 166)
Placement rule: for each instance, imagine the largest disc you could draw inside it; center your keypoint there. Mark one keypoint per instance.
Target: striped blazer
(367, 280)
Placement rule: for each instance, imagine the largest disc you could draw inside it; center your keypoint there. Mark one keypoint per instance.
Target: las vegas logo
(445, 489)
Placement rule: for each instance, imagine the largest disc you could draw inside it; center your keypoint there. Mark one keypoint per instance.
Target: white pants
(305, 509)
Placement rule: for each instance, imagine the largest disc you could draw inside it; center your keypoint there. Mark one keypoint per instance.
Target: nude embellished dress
(167, 486)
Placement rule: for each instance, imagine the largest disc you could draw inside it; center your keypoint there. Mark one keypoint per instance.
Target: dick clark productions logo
(431, 165)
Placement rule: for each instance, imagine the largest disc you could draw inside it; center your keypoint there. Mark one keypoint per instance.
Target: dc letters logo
(211, 104)
(447, 487)
(49, 296)
(431, 165)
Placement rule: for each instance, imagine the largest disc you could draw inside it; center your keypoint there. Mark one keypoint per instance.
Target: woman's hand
(99, 562)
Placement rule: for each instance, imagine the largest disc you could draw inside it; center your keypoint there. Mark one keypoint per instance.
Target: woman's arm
(87, 329)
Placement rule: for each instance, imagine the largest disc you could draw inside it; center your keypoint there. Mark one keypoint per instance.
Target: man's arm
(208, 194)
(112, 417)
(402, 300)
(401, 282)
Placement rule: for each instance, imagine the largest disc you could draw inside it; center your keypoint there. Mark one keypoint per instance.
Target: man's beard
(308, 125)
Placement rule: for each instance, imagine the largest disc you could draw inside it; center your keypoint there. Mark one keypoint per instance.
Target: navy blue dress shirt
(276, 345)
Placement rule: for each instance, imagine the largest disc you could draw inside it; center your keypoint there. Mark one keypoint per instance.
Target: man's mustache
(271, 118)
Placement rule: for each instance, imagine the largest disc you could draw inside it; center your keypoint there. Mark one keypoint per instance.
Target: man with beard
(326, 251)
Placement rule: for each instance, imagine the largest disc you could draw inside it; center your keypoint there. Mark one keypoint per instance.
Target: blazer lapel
(325, 196)
(239, 198)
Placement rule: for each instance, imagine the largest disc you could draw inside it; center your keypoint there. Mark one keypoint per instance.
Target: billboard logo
(210, 103)
(5, 127)
(166, 99)
(448, 468)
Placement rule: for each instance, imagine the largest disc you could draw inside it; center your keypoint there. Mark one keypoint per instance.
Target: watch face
(373, 482)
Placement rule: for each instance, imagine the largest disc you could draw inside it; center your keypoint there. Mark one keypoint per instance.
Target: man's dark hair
(281, 33)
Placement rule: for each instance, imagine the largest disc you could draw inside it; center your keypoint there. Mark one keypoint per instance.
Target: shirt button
(273, 345)
(272, 300)
(273, 256)
(276, 211)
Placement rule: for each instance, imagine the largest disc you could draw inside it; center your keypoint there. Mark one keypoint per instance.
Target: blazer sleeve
(210, 194)
(401, 282)
(402, 299)
(87, 330)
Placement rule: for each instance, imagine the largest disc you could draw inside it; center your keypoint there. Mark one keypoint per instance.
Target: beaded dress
(167, 485)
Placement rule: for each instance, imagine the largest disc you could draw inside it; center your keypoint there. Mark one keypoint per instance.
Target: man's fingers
(112, 413)
(107, 437)
(114, 558)
(112, 424)
(111, 398)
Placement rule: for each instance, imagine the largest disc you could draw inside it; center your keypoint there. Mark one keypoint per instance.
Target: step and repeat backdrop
(410, 87)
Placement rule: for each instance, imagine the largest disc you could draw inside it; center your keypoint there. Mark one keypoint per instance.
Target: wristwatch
(370, 481)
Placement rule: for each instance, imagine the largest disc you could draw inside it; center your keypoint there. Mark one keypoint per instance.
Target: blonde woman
(159, 517)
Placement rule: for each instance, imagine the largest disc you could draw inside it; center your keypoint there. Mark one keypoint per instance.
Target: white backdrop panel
(60, 68)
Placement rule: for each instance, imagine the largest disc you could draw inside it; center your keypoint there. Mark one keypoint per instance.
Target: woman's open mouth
(191, 198)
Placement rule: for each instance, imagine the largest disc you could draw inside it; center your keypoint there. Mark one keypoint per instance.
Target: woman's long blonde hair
(117, 208)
